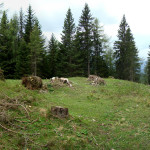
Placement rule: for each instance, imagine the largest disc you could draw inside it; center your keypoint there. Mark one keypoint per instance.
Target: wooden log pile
(32, 82)
(96, 80)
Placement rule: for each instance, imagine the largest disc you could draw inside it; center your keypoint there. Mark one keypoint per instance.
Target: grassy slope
(114, 116)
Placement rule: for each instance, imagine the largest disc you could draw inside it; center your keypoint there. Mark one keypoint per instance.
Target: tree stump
(59, 111)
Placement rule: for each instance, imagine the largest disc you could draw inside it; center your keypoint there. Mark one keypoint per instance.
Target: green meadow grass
(114, 116)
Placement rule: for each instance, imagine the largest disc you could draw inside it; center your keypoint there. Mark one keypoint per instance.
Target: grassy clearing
(114, 116)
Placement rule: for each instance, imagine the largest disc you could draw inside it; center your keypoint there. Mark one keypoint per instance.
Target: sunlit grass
(113, 116)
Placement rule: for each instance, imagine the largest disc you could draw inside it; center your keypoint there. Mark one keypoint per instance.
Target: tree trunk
(88, 67)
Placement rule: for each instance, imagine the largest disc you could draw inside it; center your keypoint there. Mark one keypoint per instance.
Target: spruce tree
(84, 33)
(132, 63)
(98, 64)
(67, 41)
(5, 53)
(13, 37)
(120, 49)
(21, 24)
(126, 54)
(36, 48)
(29, 23)
(52, 57)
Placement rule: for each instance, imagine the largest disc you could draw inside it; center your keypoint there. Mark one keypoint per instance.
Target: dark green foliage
(29, 23)
(98, 64)
(36, 46)
(68, 34)
(109, 59)
(6, 55)
(126, 54)
(22, 65)
(44, 66)
(78, 57)
(132, 57)
(84, 33)
(14, 43)
(53, 56)
(21, 24)
(80, 53)
(119, 46)
(148, 68)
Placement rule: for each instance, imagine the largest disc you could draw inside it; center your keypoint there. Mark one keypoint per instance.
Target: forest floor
(113, 116)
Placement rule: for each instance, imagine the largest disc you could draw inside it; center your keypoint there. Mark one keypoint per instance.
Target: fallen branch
(18, 132)
(94, 139)
(8, 129)
(10, 104)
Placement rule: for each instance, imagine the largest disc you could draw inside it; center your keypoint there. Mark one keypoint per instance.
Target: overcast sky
(51, 14)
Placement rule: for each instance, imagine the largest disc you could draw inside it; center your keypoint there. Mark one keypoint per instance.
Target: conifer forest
(84, 49)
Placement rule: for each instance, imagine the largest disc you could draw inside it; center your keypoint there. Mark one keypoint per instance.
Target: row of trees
(83, 50)
(23, 50)
(21, 44)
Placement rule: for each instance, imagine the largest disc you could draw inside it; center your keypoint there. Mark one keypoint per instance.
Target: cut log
(59, 111)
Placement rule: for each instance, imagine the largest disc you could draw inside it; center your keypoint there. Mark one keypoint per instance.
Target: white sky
(51, 14)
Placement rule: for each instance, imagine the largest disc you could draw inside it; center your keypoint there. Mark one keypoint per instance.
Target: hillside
(113, 116)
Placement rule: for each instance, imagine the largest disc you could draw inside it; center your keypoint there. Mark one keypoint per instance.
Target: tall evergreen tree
(29, 23)
(133, 61)
(67, 41)
(126, 54)
(120, 49)
(21, 24)
(36, 46)
(52, 56)
(13, 37)
(84, 33)
(98, 65)
(5, 53)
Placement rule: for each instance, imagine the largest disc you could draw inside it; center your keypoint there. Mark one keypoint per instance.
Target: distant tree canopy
(83, 49)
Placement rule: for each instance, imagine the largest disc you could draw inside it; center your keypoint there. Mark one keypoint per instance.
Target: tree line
(83, 49)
